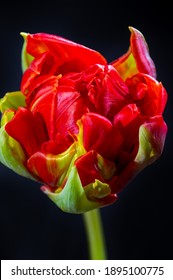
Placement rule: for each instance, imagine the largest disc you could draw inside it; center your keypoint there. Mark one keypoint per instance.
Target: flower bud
(82, 127)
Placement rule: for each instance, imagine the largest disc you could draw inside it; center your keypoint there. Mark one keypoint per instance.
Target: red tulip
(81, 126)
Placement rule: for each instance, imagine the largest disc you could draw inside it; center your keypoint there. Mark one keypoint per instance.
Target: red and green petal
(52, 169)
(12, 154)
(26, 58)
(93, 166)
(137, 59)
(72, 198)
(95, 173)
(152, 137)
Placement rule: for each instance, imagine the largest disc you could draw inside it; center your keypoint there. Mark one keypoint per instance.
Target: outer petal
(44, 65)
(151, 143)
(148, 94)
(52, 169)
(12, 155)
(64, 50)
(128, 121)
(152, 139)
(29, 130)
(73, 198)
(11, 152)
(137, 59)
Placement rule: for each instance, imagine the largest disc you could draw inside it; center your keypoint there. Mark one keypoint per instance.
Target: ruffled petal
(107, 91)
(72, 57)
(43, 65)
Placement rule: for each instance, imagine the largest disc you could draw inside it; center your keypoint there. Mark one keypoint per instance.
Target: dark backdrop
(139, 225)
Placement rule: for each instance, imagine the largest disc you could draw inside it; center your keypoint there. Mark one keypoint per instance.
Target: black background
(139, 224)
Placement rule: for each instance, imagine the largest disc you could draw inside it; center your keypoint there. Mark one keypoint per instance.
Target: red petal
(128, 121)
(70, 107)
(46, 106)
(60, 106)
(136, 59)
(148, 94)
(89, 171)
(57, 146)
(43, 65)
(108, 92)
(101, 136)
(51, 169)
(120, 181)
(158, 130)
(87, 166)
(140, 52)
(64, 50)
(28, 129)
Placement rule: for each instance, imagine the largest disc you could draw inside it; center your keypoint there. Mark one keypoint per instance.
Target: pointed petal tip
(131, 28)
(24, 34)
(134, 30)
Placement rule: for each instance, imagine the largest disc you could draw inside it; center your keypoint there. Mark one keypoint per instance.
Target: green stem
(95, 235)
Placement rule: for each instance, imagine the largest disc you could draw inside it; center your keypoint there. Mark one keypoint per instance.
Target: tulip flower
(80, 126)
